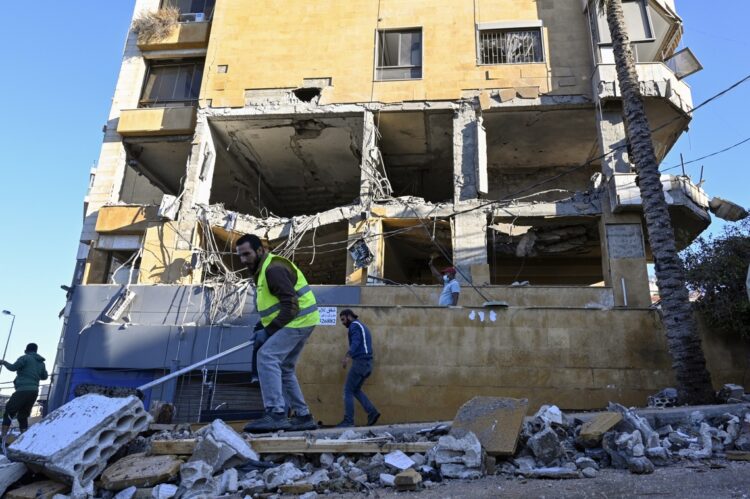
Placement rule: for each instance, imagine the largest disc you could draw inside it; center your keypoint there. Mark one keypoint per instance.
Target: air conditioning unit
(120, 304)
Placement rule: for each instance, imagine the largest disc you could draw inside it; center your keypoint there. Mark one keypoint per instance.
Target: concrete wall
(429, 361)
(336, 39)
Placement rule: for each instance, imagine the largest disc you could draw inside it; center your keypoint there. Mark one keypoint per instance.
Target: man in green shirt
(30, 368)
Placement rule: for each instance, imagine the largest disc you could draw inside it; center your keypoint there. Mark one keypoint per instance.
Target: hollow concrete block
(74, 443)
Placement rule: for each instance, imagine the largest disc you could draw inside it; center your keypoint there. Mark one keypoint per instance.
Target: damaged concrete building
(362, 138)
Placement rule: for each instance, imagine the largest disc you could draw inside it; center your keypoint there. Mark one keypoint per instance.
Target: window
(172, 84)
(510, 46)
(399, 55)
(192, 10)
(636, 20)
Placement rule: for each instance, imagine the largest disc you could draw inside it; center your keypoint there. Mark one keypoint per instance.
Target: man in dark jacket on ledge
(30, 368)
(360, 353)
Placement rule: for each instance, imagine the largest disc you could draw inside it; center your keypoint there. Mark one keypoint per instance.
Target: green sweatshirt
(30, 369)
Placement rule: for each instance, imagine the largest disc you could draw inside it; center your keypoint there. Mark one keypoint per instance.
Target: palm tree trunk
(688, 361)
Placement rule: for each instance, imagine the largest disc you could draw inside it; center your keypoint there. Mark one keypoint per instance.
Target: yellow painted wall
(157, 121)
(271, 44)
(162, 262)
(429, 361)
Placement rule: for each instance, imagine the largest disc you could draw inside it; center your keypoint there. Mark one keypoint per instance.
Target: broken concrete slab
(38, 490)
(555, 473)
(229, 481)
(129, 493)
(452, 450)
(496, 422)
(139, 470)
(408, 480)
(10, 473)
(74, 442)
(387, 480)
(593, 430)
(225, 447)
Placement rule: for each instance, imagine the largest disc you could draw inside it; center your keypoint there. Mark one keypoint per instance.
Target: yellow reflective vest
(269, 306)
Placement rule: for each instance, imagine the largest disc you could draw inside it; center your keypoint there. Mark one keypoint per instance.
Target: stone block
(506, 94)
(229, 481)
(132, 493)
(139, 470)
(74, 443)
(38, 490)
(593, 430)
(408, 480)
(495, 421)
(387, 480)
(10, 473)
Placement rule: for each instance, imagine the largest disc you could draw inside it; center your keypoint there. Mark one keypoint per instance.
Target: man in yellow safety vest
(289, 313)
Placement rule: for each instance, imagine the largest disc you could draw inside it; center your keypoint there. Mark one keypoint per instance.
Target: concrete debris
(593, 430)
(398, 460)
(466, 450)
(139, 470)
(461, 471)
(128, 493)
(555, 473)
(36, 490)
(408, 480)
(731, 393)
(164, 491)
(665, 398)
(546, 446)
(196, 478)
(10, 473)
(285, 474)
(74, 442)
(222, 447)
(387, 480)
(495, 421)
(589, 472)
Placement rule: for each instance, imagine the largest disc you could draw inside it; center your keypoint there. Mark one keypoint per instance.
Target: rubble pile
(490, 436)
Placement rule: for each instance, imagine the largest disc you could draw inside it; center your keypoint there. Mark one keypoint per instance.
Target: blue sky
(60, 68)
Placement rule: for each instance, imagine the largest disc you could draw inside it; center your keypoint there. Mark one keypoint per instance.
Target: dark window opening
(399, 55)
(307, 94)
(409, 246)
(172, 83)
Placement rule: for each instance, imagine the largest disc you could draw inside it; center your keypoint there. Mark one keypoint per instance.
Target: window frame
(510, 26)
(208, 15)
(159, 63)
(376, 65)
(645, 4)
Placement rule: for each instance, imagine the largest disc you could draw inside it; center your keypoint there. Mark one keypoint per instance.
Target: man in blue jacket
(360, 353)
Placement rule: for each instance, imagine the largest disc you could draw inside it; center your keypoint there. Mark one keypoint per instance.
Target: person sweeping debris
(360, 353)
(289, 313)
(31, 369)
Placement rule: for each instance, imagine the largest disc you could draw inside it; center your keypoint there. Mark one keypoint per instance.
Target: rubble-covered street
(491, 448)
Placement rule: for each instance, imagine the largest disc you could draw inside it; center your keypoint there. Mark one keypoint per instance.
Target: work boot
(373, 418)
(303, 423)
(272, 421)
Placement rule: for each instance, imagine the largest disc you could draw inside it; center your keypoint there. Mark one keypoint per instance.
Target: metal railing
(510, 46)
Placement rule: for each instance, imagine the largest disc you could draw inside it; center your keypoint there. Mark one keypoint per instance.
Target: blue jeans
(358, 373)
(277, 359)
